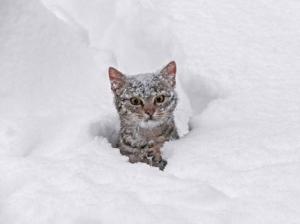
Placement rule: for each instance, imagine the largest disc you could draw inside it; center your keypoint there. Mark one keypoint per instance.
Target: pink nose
(149, 110)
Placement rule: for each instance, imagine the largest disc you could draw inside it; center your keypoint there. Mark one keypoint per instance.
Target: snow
(238, 83)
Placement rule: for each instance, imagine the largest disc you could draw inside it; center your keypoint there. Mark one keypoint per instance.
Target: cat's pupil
(135, 101)
(160, 99)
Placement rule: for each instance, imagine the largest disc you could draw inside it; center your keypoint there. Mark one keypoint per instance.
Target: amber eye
(135, 101)
(160, 99)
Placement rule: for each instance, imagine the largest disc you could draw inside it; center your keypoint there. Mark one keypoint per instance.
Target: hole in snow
(198, 91)
(201, 91)
(108, 128)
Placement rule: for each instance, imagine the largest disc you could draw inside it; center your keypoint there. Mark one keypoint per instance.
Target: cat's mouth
(149, 118)
(149, 123)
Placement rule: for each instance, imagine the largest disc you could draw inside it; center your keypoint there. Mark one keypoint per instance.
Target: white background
(239, 87)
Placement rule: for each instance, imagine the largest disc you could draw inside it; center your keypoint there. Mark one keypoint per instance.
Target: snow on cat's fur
(145, 104)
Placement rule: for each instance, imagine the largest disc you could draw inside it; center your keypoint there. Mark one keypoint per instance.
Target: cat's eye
(135, 101)
(160, 99)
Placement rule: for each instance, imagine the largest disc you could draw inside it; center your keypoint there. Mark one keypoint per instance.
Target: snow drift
(238, 66)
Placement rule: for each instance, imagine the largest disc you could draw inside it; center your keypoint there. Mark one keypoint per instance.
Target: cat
(145, 104)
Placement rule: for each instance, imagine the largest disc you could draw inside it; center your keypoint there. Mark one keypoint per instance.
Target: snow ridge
(238, 79)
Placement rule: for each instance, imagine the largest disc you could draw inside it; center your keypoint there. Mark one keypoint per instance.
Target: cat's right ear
(117, 79)
(169, 73)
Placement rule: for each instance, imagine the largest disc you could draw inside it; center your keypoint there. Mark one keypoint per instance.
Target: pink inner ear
(114, 74)
(169, 72)
(171, 68)
(117, 79)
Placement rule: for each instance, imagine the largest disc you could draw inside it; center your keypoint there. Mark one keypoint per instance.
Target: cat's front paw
(155, 159)
(154, 154)
(162, 164)
(134, 158)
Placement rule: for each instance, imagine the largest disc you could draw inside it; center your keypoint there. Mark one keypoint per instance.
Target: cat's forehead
(146, 84)
(144, 78)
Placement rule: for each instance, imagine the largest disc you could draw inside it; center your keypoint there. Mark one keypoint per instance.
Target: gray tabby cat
(145, 104)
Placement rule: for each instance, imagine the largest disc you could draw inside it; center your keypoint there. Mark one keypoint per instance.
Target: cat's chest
(138, 137)
(156, 135)
(149, 133)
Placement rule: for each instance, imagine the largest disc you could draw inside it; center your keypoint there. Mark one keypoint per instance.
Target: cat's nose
(150, 111)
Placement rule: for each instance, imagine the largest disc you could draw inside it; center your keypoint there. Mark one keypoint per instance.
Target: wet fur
(142, 135)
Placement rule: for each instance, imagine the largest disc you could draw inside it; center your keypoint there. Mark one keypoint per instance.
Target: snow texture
(239, 111)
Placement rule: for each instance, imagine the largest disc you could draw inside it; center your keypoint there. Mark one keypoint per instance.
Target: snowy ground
(238, 71)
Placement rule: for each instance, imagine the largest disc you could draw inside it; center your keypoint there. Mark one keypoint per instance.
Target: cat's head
(147, 99)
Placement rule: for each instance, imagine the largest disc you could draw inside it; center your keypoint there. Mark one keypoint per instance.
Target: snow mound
(238, 81)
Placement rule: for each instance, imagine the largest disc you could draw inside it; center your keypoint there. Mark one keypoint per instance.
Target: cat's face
(147, 99)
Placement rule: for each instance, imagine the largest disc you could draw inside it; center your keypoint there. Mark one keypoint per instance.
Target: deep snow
(238, 81)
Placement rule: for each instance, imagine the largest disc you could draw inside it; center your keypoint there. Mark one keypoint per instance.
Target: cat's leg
(150, 155)
(174, 134)
(134, 158)
(154, 158)
(133, 154)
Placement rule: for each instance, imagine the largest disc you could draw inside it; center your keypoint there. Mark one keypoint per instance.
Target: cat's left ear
(117, 79)
(169, 72)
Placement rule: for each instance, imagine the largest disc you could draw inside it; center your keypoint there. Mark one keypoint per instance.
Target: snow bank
(238, 67)
(132, 45)
(47, 74)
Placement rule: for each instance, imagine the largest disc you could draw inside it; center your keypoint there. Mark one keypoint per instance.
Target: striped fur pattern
(145, 104)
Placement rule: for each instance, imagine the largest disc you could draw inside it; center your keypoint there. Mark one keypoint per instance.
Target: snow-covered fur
(145, 103)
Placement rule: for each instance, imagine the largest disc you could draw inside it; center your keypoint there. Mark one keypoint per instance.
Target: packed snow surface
(238, 160)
